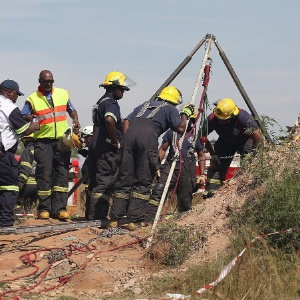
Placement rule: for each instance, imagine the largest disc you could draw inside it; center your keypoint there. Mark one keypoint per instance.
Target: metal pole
(166, 188)
(179, 68)
(242, 91)
(78, 183)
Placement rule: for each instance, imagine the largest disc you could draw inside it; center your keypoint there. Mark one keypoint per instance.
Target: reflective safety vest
(53, 121)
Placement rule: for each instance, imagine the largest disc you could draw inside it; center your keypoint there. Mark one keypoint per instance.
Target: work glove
(201, 179)
(188, 110)
(215, 162)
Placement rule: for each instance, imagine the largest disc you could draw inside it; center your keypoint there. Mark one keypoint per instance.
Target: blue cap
(11, 85)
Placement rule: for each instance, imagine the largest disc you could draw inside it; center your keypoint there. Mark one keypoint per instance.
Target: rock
(137, 291)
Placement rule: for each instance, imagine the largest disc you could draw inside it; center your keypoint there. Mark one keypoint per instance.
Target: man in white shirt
(12, 125)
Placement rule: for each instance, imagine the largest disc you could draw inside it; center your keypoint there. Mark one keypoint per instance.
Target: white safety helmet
(87, 130)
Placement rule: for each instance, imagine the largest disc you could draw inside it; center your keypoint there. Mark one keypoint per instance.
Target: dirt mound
(112, 264)
(91, 263)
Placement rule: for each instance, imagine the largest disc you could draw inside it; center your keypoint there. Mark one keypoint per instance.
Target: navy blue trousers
(8, 188)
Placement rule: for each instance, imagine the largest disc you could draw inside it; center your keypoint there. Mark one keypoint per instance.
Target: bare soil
(109, 265)
(113, 264)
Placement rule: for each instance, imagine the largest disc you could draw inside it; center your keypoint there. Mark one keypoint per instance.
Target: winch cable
(203, 106)
(171, 199)
(195, 92)
(201, 114)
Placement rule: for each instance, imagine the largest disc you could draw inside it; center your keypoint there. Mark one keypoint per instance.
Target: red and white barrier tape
(25, 215)
(229, 266)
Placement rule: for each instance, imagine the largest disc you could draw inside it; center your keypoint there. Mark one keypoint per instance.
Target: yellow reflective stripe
(153, 202)
(99, 195)
(31, 180)
(109, 114)
(9, 188)
(96, 195)
(23, 176)
(212, 180)
(121, 196)
(140, 196)
(22, 129)
(27, 164)
(57, 188)
(44, 193)
(105, 197)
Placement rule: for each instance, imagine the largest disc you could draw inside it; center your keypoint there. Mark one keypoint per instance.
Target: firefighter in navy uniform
(139, 156)
(86, 134)
(27, 183)
(26, 160)
(107, 135)
(50, 106)
(238, 132)
(12, 125)
(185, 168)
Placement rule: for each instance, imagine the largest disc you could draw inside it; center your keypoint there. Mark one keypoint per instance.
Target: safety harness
(147, 106)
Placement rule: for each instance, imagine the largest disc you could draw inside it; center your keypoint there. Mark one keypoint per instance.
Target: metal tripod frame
(209, 38)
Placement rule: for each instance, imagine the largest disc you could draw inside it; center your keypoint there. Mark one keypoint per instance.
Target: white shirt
(9, 136)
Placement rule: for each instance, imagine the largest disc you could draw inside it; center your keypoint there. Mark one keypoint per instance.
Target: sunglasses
(47, 81)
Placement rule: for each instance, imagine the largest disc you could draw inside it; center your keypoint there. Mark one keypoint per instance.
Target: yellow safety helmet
(226, 109)
(194, 115)
(117, 79)
(171, 94)
(71, 140)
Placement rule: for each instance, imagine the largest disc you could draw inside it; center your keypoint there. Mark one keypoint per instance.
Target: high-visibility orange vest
(53, 121)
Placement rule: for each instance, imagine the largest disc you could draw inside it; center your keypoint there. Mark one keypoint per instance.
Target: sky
(80, 41)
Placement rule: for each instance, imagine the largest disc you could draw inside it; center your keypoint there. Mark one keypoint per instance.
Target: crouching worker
(238, 132)
(185, 170)
(12, 125)
(139, 153)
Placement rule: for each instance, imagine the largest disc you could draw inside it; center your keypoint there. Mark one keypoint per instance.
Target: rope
(30, 258)
(200, 76)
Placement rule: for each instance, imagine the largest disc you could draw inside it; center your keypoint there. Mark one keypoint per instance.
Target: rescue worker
(26, 160)
(86, 134)
(12, 125)
(238, 132)
(27, 183)
(49, 105)
(139, 156)
(185, 169)
(107, 135)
